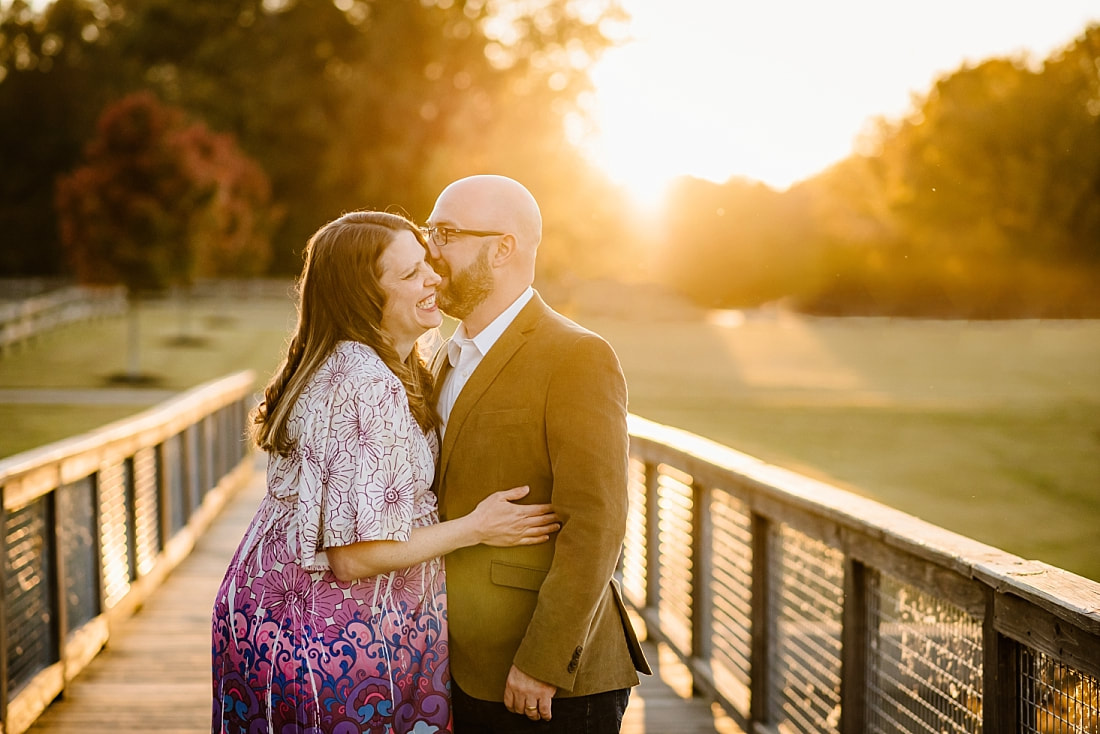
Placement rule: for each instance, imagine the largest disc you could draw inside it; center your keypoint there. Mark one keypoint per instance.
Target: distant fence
(26, 318)
(92, 525)
(804, 608)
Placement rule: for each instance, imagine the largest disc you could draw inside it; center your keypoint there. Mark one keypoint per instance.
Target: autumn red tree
(161, 200)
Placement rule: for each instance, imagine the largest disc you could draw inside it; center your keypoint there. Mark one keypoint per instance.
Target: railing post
(853, 650)
(1000, 666)
(60, 612)
(165, 500)
(702, 567)
(3, 612)
(759, 665)
(652, 540)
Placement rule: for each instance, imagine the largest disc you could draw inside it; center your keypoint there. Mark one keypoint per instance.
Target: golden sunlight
(779, 91)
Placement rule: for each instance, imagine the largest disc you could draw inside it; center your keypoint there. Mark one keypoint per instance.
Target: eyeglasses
(440, 236)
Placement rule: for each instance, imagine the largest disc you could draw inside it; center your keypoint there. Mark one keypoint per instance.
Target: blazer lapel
(440, 367)
(486, 373)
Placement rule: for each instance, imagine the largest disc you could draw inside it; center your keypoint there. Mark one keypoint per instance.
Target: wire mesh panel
(221, 442)
(28, 593)
(731, 584)
(924, 662)
(77, 546)
(114, 518)
(147, 534)
(194, 491)
(674, 515)
(808, 593)
(1056, 698)
(207, 471)
(171, 465)
(634, 546)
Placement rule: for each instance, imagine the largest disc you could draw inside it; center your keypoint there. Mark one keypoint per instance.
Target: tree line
(983, 202)
(156, 141)
(119, 114)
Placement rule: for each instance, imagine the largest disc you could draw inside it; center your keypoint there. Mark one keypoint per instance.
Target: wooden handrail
(94, 523)
(808, 603)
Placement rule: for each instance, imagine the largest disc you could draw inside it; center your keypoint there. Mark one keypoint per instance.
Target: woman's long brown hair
(340, 297)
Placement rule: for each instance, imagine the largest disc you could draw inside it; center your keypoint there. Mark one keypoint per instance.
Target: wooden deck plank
(154, 674)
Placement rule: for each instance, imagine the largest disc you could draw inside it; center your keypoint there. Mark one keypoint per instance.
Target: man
(538, 634)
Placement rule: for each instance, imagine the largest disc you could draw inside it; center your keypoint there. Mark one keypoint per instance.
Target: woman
(332, 614)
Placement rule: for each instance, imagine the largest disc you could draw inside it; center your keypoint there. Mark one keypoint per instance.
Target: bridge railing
(24, 319)
(92, 525)
(801, 607)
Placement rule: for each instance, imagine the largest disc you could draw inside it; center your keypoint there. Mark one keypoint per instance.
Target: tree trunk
(133, 338)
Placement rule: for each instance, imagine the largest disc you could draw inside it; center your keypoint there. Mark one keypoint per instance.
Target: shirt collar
(484, 341)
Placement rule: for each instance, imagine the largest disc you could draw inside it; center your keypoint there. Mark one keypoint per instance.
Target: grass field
(232, 335)
(989, 429)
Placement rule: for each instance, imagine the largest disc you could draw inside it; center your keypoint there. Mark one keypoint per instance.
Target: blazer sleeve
(588, 444)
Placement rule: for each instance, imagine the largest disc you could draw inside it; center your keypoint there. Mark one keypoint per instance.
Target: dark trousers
(599, 713)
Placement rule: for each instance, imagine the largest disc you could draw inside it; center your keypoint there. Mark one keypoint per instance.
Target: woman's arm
(497, 520)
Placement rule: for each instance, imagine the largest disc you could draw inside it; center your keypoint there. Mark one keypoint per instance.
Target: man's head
(483, 235)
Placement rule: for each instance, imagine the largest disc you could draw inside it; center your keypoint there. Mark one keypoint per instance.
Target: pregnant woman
(332, 614)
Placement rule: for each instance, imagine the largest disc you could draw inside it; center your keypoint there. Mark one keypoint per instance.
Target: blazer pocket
(510, 417)
(519, 577)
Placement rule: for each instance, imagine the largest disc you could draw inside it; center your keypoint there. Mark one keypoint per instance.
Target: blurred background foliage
(983, 203)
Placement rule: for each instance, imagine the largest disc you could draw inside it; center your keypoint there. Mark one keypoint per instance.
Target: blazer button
(576, 659)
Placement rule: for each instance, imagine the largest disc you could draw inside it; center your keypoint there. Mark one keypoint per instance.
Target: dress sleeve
(360, 458)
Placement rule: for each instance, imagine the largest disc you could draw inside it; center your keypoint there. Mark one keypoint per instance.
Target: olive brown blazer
(546, 408)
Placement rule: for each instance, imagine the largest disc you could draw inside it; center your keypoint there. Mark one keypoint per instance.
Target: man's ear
(504, 251)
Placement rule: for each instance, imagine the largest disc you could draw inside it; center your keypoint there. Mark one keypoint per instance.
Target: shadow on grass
(187, 341)
(140, 379)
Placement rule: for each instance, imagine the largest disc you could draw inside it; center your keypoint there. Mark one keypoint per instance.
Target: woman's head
(365, 279)
(360, 272)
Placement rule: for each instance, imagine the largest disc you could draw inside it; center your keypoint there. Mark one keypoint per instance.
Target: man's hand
(528, 696)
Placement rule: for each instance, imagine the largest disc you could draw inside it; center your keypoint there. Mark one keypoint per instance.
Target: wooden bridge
(781, 603)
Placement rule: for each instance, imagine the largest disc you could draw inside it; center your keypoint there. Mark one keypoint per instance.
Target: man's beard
(467, 289)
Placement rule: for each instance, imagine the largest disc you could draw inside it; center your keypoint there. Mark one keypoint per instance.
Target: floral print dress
(294, 648)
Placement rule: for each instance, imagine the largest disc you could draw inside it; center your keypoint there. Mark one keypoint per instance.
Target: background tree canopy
(983, 202)
(345, 104)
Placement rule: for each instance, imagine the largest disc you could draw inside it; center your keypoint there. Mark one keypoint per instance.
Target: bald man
(540, 640)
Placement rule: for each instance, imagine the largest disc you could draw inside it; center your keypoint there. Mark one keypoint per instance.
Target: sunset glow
(779, 91)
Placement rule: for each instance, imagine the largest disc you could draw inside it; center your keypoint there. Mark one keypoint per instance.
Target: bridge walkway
(148, 681)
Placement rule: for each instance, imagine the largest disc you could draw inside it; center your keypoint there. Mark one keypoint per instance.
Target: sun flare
(777, 92)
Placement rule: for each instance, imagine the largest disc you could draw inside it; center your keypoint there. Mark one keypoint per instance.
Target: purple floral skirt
(298, 651)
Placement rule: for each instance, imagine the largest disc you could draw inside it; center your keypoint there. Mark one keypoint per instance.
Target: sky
(778, 90)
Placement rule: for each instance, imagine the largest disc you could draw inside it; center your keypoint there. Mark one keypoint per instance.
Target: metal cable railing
(92, 524)
(804, 608)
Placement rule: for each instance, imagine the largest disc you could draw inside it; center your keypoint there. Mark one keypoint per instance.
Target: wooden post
(164, 492)
(1000, 673)
(652, 541)
(3, 615)
(57, 571)
(759, 665)
(702, 571)
(853, 652)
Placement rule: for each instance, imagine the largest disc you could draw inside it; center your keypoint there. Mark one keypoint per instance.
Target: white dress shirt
(465, 354)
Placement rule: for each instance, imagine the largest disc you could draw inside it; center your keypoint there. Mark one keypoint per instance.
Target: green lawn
(228, 335)
(989, 429)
